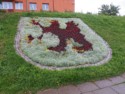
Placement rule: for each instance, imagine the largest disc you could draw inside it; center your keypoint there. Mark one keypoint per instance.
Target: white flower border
(19, 51)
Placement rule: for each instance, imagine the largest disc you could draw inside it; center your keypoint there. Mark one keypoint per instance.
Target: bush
(2, 11)
(109, 9)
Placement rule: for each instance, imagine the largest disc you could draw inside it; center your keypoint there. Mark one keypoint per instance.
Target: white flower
(50, 40)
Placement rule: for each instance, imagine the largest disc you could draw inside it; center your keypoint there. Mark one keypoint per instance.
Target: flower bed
(60, 42)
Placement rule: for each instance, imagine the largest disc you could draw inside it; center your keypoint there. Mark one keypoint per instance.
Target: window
(45, 6)
(32, 6)
(18, 5)
(7, 5)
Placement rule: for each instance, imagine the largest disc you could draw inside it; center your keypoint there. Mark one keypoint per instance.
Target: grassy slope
(16, 75)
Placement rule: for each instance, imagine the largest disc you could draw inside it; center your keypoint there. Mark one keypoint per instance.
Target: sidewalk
(115, 85)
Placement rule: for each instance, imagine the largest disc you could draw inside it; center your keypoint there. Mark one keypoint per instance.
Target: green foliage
(19, 77)
(2, 11)
(109, 9)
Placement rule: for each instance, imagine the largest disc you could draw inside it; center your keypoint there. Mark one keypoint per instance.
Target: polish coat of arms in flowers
(60, 42)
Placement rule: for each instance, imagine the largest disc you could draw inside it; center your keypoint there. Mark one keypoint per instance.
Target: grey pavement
(114, 85)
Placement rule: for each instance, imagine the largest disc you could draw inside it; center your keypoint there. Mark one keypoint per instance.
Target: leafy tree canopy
(109, 9)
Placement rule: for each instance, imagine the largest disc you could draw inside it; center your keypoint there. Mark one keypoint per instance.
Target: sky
(92, 6)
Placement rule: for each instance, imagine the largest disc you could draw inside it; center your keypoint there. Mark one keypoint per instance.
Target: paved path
(115, 85)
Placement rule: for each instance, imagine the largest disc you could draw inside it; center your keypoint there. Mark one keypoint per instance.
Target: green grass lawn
(17, 76)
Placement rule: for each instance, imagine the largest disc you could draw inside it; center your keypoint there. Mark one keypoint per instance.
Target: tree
(109, 9)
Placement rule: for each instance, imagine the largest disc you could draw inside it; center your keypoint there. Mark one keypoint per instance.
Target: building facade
(38, 5)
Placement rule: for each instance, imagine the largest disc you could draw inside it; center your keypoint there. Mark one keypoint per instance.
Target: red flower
(71, 31)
